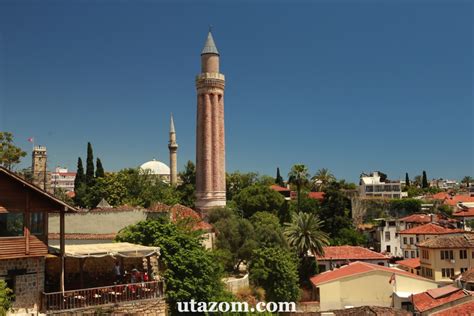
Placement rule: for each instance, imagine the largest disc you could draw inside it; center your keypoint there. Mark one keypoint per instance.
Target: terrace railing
(99, 296)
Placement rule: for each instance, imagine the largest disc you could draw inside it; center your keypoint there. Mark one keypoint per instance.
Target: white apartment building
(387, 237)
(374, 185)
(61, 178)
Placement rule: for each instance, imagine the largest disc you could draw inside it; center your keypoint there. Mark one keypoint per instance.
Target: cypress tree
(79, 175)
(407, 180)
(424, 181)
(279, 178)
(99, 170)
(89, 165)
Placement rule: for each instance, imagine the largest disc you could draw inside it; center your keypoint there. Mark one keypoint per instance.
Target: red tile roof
(316, 195)
(430, 229)
(464, 309)
(351, 253)
(465, 212)
(465, 240)
(412, 263)
(436, 297)
(418, 218)
(356, 268)
(468, 276)
(278, 188)
(441, 196)
(179, 211)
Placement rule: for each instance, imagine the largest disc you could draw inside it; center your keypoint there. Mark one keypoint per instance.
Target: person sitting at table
(134, 275)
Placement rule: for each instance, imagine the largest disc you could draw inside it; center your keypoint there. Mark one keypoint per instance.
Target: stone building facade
(26, 277)
(39, 168)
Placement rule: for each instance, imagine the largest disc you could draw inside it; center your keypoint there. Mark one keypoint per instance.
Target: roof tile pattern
(430, 299)
(350, 253)
(451, 241)
(430, 229)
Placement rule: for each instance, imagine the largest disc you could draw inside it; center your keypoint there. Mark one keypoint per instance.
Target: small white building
(387, 236)
(375, 185)
(63, 179)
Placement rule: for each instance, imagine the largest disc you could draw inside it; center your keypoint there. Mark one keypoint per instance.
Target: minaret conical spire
(173, 148)
(209, 46)
(172, 125)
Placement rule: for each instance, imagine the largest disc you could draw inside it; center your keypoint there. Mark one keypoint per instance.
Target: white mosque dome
(156, 167)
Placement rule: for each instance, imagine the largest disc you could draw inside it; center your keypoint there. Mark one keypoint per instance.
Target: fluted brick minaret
(173, 147)
(210, 141)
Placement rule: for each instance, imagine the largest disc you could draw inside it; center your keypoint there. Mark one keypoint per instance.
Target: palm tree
(304, 234)
(298, 176)
(467, 180)
(322, 178)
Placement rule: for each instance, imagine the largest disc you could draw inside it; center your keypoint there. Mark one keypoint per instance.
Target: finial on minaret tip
(209, 46)
(172, 124)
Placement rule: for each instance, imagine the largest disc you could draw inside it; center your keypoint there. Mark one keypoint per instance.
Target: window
(392, 223)
(36, 223)
(463, 254)
(405, 242)
(413, 254)
(411, 240)
(387, 248)
(11, 224)
(447, 255)
(425, 254)
(447, 272)
(406, 254)
(463, 270)
(387, 236)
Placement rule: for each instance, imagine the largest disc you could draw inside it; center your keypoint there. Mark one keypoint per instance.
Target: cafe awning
(118, 249)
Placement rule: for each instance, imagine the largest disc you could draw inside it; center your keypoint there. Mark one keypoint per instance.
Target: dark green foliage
(89, 165)
(187, 188)
(335, 210)
(191, 272)
(99, 170)
(80, 177)
(424, 181)
(10, 154)
(307, 205)
(299, 176)
(6, 297)
(275, 270)
(236, 182)
(349, 236)
(257, 198)
(402, 207)
(268, 231)
(279, 179)
(235, 237)
(407, 180)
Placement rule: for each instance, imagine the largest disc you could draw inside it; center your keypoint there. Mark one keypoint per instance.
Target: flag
(31, 140)
(392, 279)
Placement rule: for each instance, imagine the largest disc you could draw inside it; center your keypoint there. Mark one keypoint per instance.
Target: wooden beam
(26, 222)
(62, 245)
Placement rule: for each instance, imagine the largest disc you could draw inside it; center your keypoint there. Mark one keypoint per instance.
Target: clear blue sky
(348, 85)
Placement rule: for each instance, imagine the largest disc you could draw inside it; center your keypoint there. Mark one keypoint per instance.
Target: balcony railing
(98, 296)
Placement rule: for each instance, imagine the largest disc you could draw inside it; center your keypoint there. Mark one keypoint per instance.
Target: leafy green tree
(336, 210)
(307, 205)
(237, 181)
(10, 154)
(349, 236)
(407, 180)
(298, 176)
(80, 177)
(235, 237)
(417, 181)
(279, 179)
(467, 180)
(275, 270)
(257, 198)
(6, 297)
(187, 187)
(89, 165)
(268, 231)
(191, 272)
(99, 170)
(424, 181)
(322, 178)
(403, 207)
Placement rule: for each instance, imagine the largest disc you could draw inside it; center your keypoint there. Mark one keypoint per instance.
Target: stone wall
(27, 275)
(153, 307)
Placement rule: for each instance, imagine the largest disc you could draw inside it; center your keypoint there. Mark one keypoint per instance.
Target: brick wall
(154, 307)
